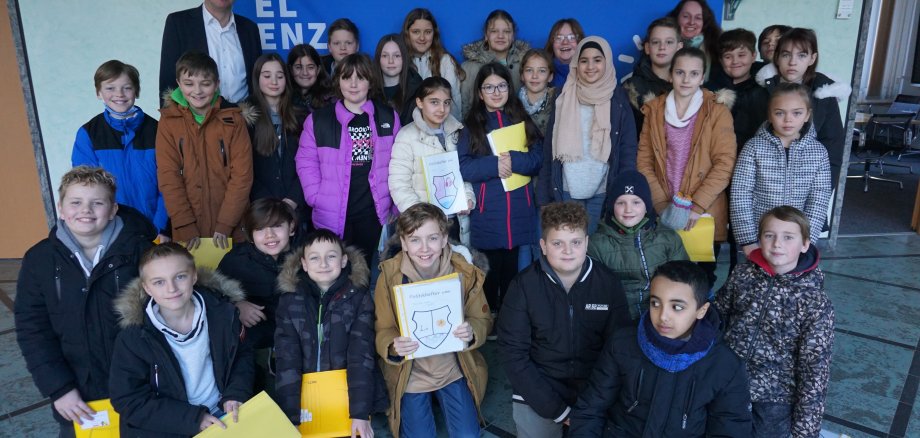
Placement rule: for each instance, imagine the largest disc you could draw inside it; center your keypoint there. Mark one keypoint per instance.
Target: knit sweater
(678, 152)
(588, 176)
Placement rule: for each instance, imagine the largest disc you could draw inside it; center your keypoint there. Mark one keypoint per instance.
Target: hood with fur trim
(822, 86)
(132, 301)
(726, 97)
(289, 277)
(477, 51)
(247, 109)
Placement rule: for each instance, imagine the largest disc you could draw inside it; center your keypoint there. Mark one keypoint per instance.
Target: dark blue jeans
(417, 420)
(772, 420)
(594, 207)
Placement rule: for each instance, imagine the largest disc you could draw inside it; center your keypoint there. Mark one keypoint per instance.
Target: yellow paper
(325, 396)
(259, 416)
(104, 414)
(507, 139)
(208, 255)
(698, 241)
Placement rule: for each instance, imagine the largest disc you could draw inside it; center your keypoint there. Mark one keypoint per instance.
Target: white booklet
(429, 312)
(444, 183)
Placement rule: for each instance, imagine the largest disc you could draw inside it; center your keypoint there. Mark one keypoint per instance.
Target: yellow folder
(507, 139)
(105, 424)
(208, 255)
(325, 396)
(698, 241)
(258, 417)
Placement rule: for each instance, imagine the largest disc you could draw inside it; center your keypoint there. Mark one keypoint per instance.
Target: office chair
(904, 104)
(883, 135)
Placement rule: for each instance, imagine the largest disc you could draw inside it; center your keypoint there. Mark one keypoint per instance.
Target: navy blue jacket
(65, 323)
(125, 148)
(623, 138)
(184, 32)
(501, 220)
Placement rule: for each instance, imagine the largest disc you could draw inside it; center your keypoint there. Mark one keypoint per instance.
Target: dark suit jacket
(184, 31)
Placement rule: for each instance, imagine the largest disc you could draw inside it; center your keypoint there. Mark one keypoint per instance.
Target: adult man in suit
(230, 39)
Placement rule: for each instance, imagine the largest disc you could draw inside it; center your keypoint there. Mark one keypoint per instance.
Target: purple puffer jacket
(324, 164)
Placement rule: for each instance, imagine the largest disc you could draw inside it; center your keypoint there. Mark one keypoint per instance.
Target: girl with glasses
(563, 37)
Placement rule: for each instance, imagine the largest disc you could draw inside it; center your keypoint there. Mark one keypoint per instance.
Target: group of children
(602, 323)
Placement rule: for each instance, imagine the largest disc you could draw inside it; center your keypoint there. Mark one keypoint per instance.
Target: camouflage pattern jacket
(782, 327)
(334, 330)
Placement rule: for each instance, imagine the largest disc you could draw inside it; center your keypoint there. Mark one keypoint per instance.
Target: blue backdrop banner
(285, 23)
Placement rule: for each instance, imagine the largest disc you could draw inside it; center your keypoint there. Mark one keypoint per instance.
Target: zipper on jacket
(181, 158)
(683, 421)
(156, 377)
(57, 281)
(527, 193)
(508, 217)
(319, 333)
(117, 283)
(223, 152)
(482, 197)
(763, 311)
(638, 390)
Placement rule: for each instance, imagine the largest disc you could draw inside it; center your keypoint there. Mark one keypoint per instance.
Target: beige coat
(475, 311)
(712, 158)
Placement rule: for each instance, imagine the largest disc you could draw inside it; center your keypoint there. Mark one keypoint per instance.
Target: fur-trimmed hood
(289, 277)
(822, 86)
(476, 51)
(132, 300)
(247, 109)
(726, 97)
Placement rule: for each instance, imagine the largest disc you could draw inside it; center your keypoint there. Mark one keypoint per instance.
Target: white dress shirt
(224, 47)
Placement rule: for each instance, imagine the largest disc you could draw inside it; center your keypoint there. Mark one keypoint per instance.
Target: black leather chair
(882, 136)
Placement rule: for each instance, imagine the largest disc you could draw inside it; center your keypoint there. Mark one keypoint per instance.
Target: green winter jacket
(620, 252)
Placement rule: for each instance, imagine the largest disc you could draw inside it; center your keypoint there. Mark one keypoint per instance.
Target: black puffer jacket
(258, 274)
(550, 339)
(782, 326)
(346, 312)
(146, 382)
(65, 323)
(709, 398)
(749, 110)
(643, 86)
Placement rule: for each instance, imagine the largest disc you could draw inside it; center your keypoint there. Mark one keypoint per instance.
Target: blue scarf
(126, 122)
(674, 355)
(560, 73)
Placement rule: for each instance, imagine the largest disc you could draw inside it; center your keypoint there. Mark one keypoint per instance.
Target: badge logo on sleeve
(432, 327)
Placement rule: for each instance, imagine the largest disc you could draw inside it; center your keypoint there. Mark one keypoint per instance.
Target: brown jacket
(475, 311)
(204, 171)
(712, 158)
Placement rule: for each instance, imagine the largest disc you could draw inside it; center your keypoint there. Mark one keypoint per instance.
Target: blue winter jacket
(125, 148)
(501, 220)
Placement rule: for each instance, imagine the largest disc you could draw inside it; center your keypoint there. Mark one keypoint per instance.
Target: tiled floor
(874, 283)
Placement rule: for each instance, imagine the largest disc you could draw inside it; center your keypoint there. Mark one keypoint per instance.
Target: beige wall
(22, 215)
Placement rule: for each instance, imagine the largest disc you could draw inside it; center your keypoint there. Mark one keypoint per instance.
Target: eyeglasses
(563, 38)
(493, 89)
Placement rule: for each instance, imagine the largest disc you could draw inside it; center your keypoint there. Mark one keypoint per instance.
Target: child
(630, 242)
(204, 158)
(766, 42)
(326, 322)
(749, 110)
(179, 363)
(121, 140)
(687, 150)
(434, 131)
(457, 379)
(788, 353)
(554, 321)
(699, 29)
(498, 45)
(565, 34)
(399, 77)
(344, 158)
(343, 41)
(423, 39)
(652, 77)
(784, 164)
(310, 86)
(536, 95)
(679, 379)
(591, 135)
(270, 225)
(796, 60)
(64, 323)
(502, 221)
(275, 133)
